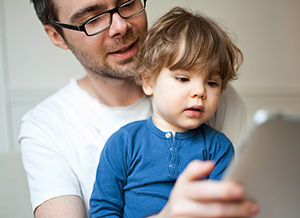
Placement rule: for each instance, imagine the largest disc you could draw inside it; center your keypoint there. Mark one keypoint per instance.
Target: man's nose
(119, 26)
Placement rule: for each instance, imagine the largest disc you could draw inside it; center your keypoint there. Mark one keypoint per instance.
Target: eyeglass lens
(103, 21)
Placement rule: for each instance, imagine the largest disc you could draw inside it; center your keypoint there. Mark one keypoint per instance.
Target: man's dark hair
(46, 12)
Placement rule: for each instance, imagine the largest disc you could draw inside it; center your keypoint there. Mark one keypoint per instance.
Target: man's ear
(55, 37)
(147, 85)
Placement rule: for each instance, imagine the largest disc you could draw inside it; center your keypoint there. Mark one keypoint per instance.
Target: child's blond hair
(206, 45)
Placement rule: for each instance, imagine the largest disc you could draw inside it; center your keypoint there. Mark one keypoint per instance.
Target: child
(185, 62)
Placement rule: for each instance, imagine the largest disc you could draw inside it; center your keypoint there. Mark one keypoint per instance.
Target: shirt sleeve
(231, 117)
(221, 152)
(48, 172)
(107, 197)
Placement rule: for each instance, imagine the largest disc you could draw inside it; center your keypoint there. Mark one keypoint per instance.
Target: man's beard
(101, 67)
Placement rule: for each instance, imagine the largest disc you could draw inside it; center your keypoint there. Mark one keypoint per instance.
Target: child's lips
(195, 111)
(196, 108)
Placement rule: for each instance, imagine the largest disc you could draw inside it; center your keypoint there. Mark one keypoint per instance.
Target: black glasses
(102, 22)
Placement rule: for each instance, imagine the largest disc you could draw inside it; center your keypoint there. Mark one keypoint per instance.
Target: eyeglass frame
(81, 27)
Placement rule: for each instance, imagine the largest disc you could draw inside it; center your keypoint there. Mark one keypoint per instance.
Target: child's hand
(192, 197)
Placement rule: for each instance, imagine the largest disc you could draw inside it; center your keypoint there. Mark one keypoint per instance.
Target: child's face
(183, 100)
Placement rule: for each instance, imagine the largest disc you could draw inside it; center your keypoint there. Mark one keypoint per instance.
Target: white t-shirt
(62, 137)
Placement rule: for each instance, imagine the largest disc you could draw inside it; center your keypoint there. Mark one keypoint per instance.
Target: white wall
(267, 32)
(35, 67)
(5, 129)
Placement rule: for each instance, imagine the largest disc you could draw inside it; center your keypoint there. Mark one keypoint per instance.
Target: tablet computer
(267, 164)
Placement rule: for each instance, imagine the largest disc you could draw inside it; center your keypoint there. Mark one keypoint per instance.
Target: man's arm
(192, 197)
(69, 206)
(52, 183)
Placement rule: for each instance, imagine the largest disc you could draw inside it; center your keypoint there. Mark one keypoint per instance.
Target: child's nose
(198, 92)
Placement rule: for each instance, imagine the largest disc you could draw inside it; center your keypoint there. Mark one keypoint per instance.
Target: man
(61, 139)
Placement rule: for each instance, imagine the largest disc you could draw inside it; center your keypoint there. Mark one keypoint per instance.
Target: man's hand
(192, 197)
(69, 206)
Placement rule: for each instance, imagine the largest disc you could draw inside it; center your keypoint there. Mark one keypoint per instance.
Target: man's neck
(112, 92)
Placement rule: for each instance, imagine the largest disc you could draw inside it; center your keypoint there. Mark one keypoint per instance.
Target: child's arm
(221, 152)
(107, 196)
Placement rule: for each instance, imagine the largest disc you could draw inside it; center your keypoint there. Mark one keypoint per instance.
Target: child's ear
(55, 37)
(147, 85)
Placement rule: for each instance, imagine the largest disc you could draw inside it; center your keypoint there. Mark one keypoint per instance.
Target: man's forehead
(68, 9)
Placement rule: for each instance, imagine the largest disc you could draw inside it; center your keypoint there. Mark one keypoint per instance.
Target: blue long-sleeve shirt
(140, 164)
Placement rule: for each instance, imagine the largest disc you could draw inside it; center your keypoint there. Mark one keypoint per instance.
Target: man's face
(111, 52)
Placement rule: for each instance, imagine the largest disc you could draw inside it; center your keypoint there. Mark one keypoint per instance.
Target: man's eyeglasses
(102, 22)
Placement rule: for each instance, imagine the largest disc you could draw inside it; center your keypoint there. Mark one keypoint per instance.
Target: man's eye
(129, 3)
(182, 79)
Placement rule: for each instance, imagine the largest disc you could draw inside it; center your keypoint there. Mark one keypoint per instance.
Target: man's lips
(123, 49)
(124, 53)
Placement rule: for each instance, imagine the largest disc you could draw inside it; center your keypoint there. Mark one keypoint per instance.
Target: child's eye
(182, 79)
(213, 83)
